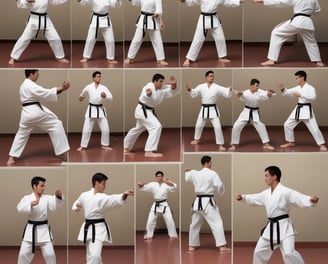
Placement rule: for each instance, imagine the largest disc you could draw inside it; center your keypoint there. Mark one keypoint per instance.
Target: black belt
(204, 14)
(92, 222)
(299, 14)
(251, 109)
(207, 106)
(271, 221)
(33, 103)
(157, 204)
(145, 22)
(200, 196)
(97, 21)
(144, 107)
(97, 106)
(40, 16)
(35, 224)
(298, 110)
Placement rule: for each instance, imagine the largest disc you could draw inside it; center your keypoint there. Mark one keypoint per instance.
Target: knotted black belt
(145, 22)
(145, 107)
(200, 196)
(44, 15)
(204, 14)
(298, 110)
(97, 21)
(92, 222)
(207, 106)
(97, 107)
(33, 103)
(299, 14)
(273, 220)
(251, 109)
(35, 224)
(158, 203)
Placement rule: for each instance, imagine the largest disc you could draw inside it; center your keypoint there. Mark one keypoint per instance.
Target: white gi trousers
(200, 123)
(156, 41)
(240, 124)
(212, 216)
(29, 33)
(311, 124)
(25, 255)
(87, 130)
(168, 219)
(283, 31)
(94, 252)
(263, 252)
(199, 38)
(154, 128)
(90, 42)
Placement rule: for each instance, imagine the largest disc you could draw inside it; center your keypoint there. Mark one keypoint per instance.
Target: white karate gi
(94, 207)
(277, 203)
(251, 100)
(100, 7)
(308, 94)
(43, 236)
(151, 26)
(31, 29)
(33, 116)
(209, 97)
(301, 25)
(160, 192)
(206, 182)
(212, 23)
(95, 113)
(149, 123)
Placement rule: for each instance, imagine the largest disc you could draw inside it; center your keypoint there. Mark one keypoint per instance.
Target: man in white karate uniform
(150, 21)
(35, 115)
(153, 93)
(206, 182)
(251, 114)
(100, 20)
(209, 20)
(303, 112)
(96, 111)
(95, 231)
(210, 92)
(38, 20)
(36, 207)
(300, 23)
(279, 231)
(160, 189)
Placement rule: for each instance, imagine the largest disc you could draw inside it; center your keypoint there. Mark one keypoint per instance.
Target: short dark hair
(254, 81)
(274, 171)
(94, 74)
(28, 72)
(36, 180)
(98, 177)
(205, 159)
(301, 74)
(159, 172)
(208, 73)
(157, 76)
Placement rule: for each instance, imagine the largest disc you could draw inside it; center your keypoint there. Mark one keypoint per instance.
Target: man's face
(39, 189)
(255, 87)
(269, 180)
(35, 76)
(299, 79)
(100, 186)
(210, 78)
(159, 84)
(159, 178)
(97, 78)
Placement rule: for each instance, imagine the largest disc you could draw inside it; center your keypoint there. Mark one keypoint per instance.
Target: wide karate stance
(38, 20)
(303, 111)
(160, 189)
(210, 92)
(94, 230)
(251, 114)
(36, 206)
(100, 20)
(300, 23)
(279, 231)
(206, 182)
(152, 94)
(96, 111)
(36, 115)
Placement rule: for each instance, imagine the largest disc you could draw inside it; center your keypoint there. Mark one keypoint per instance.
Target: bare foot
(63, 157)
(84, 60)
(106, 148)
(224, 60)
(11, 61)
(268, 146)
(63, 60)
(128, 61)
(112, 61)
(173, 238)
(194, 142)
(222, 148)
(233, 147)
(268, 63)
(225, 249)
(191, 249)
(150, 154)
(163, 62)
(81, 149)
(127, 151)
(287, 145)
(10, 161)
(320, 64)
(186, 62)
(323, 148)
(147, 239)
